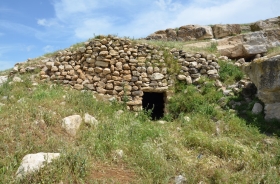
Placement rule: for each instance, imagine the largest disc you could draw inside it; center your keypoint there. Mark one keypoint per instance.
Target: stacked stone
(120, 68)
(193, 66)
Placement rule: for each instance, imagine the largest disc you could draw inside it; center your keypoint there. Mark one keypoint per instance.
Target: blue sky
(31, 28)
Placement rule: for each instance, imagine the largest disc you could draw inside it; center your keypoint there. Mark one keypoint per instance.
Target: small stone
(225, 58)
(180, 179)
(257, 108)
(161, 122)
(101, 63)
(82, 49)
(211, 72)
(181, 77)
(187, 119)
(3, 79)
(189, 80)
(218, 83)
(90, 120)
(241, 61)
(17, 79)
(118, 154)
(157, 76)
(71, 124)
(227, 92)
(78, 86)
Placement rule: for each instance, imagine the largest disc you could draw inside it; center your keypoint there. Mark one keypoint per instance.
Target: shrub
(229, 73)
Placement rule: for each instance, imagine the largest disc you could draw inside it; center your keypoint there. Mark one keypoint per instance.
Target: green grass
(229, 73)
(5, 72)
(216, 145)
(159, 43)
(273, 51)
(153, 153)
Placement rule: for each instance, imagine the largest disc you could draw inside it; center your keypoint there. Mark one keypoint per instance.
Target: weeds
(200, 140)
(229, 73)
(273, 52)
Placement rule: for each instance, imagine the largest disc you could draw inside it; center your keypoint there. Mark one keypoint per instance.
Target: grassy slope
(215, 146)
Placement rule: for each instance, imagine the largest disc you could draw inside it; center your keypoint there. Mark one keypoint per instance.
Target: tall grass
(229, 73)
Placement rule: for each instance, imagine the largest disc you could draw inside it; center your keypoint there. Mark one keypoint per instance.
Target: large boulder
(171, 34)
(33, 162)
(184, 33)
(249, 44)
(267, 24)
(231, 47)
(265, 74)
(224, 30)
(192, 32)
(158, 35)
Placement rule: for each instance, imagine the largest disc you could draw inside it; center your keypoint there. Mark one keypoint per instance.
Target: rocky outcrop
(158, 35)
(196, 32)
(249, 44)
(265, 74)
(184, 33)
(193, 32)
(266, 24)
(225, 30)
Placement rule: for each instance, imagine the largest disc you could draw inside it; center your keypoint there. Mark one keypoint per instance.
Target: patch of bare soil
(109, 173)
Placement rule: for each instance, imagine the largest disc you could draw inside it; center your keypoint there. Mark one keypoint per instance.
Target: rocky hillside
(233, 40)
(115, 110)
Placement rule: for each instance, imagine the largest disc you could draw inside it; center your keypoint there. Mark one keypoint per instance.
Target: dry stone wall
(126, 70)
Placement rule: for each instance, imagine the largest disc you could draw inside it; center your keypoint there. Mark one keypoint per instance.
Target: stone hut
(142, 75)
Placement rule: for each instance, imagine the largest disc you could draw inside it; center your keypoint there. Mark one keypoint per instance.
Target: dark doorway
(155, 103)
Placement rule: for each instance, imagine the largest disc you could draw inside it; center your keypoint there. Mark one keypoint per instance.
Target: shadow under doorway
(155, 103)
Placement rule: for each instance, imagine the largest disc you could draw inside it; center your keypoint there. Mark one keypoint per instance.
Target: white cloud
(48, 48)
(46, 23)
(5, 48)
(168, 5)
(92, 27)
(140, 18)
(16, 27)
(29, 48)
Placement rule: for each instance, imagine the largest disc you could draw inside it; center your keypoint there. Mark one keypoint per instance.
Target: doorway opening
(154, 102)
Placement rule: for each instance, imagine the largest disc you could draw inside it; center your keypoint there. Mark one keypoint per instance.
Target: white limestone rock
(181, 77)
(180, 179)
(90, 120)
(71, 124)
(3, 79)
(17, 79)
(33, 162)
(157, 76)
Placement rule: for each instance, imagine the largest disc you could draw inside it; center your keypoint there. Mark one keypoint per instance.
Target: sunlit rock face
(265, 74)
